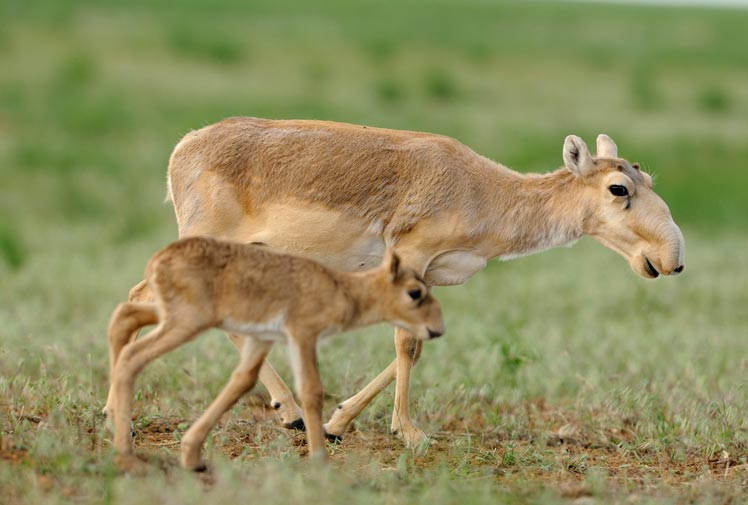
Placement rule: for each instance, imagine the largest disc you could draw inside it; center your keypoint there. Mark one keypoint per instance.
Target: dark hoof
(335, 439)
(133, 434)
(296, 425)
(201, 468)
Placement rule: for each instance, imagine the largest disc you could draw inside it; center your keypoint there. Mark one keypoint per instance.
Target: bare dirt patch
(555, 449)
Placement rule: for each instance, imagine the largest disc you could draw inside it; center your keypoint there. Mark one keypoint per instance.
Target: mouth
(651, 270)
(434, 334)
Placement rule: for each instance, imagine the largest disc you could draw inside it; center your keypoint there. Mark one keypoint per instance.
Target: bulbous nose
(435, 334)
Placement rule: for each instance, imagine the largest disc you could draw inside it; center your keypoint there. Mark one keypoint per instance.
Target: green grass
(562, 376)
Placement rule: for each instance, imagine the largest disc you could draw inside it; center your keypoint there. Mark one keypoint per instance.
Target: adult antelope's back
(343, 193)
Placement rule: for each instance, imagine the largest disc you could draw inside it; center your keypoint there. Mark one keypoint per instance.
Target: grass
(562, 377)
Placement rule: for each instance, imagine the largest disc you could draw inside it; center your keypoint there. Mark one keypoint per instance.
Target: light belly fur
(272, 330)
(332, 237)
(340, 240)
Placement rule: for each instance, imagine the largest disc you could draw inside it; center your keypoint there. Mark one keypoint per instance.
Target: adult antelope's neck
(534, 212)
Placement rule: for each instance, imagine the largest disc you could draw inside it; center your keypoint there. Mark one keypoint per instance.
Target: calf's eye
(415, 294)
(618, 190)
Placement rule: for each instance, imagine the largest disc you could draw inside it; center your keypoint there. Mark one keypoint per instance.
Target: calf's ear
(391, 265)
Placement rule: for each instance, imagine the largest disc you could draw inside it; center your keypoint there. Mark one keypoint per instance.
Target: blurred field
(562, 377)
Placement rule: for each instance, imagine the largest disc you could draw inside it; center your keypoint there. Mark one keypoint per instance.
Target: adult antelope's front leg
(408, 351)
(281, 398)
(348, 410)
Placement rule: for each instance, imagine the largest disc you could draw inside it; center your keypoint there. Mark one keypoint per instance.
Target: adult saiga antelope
(342, 194)
(200, 283)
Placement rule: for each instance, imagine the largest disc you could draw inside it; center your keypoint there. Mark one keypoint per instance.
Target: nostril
(434, 334)
(679, 269)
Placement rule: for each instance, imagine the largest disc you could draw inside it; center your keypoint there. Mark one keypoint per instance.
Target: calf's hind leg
(129, 315)
(134, 357)
(127, 319)
(243, 378)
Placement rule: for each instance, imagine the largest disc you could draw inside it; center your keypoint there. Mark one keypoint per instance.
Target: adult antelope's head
(624, 212)
(406, 301)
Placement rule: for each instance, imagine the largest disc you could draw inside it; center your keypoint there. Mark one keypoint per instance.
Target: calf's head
(406, 301)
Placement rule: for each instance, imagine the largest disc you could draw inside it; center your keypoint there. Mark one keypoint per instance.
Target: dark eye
(618, 190)
(415, 294)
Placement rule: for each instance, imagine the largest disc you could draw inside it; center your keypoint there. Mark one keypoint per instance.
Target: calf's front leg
(244, 377)
(309, 388)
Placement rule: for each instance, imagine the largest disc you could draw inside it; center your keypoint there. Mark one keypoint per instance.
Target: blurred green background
(95, 94)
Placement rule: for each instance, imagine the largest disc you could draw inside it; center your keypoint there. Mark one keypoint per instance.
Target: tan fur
(342, 193)
(262, 297)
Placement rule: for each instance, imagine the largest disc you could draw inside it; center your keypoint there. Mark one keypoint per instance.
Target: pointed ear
(577, 157)
(391, 265)
(606, 148)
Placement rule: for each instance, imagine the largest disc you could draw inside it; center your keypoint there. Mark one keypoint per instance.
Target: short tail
(141, 292)
(169, 197)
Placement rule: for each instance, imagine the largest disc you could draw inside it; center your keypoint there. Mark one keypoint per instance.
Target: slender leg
(126, 320)
(244, 377)
(309, 388)
(133, 358)
(352, 407)
(281, 398)
(139, 294)
(408, 351)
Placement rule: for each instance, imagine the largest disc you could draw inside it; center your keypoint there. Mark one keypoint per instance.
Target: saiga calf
(262, 297)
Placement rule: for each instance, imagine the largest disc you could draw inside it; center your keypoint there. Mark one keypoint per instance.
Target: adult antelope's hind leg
(126, 320)
(243, 378)
(408, 351)
(281, 398)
